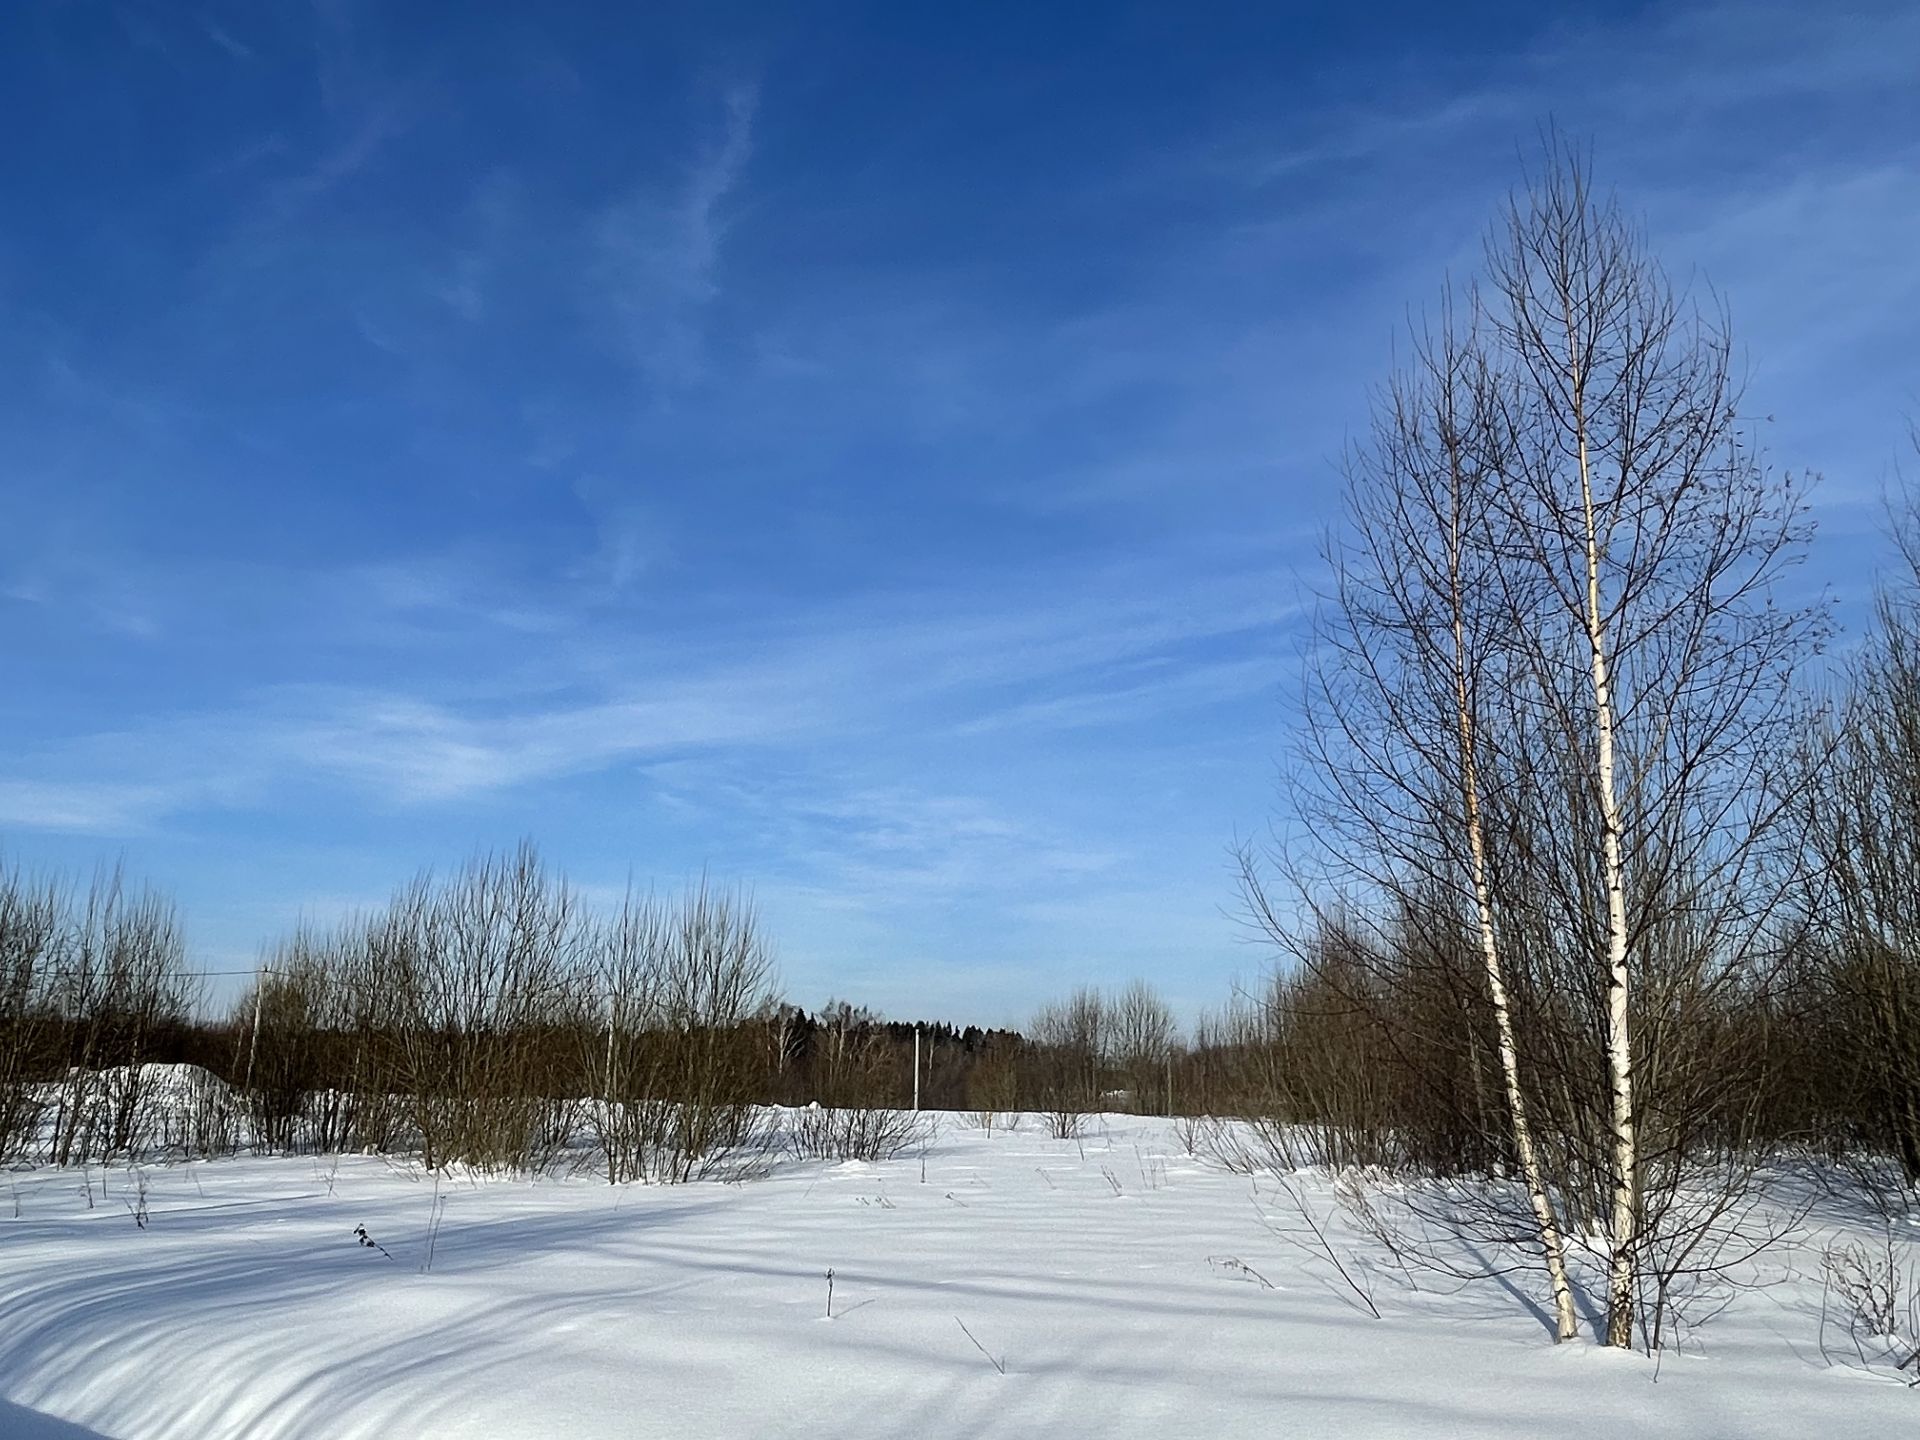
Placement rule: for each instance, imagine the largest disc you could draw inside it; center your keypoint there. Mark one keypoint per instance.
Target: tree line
(488, 1018)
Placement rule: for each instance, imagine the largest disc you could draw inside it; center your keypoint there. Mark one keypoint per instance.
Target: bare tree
(1143, 1043)
(1551, 708)
(1863, 833)
(1067, 1059)
(30, 917)
(1416, 642)
(116, 979)
(681, 987)
(1650, 546)
(481, 968)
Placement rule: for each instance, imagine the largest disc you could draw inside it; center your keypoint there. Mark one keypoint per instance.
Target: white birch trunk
(1622, 1231)
(1566, 1322)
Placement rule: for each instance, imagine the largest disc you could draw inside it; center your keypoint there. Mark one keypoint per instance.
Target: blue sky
(873, 453)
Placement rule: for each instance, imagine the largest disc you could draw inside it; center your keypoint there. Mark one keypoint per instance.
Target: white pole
(916, 1067)
(253, 1045)
(612, 1002)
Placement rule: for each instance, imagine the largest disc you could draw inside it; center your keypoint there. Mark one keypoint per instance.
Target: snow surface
(1127, 1288)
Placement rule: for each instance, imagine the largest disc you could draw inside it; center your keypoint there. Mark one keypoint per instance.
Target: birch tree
(1552, 706)
(1409, 650)
(1659, 641)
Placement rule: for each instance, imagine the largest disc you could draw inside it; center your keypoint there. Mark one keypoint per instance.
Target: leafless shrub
(115, 980)
(1309, 1235)
(1860, 963)
(1246, 1147)
(853, 1075)
(820, 1132)
(1066, 1061)
(292, 1032)
(1325, 1066)
(1873, 1291)
(1191, 1132)
(30, 921)
(482, 970)
(1064, 1122)
(189, 1112)
(488, 1020)
(136, 1203)
(993, 1087)
(1233, 1267)
(1143, 1047)
(678, 1075)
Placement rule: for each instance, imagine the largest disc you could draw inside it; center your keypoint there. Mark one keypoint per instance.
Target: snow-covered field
(1127, 1289)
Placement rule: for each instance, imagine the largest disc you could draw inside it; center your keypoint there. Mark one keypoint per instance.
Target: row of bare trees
(488, 1018)
(93, 987)
(1858, 960)
(1095, 1051)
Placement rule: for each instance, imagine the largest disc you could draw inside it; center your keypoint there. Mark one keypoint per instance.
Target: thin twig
(999, 1365)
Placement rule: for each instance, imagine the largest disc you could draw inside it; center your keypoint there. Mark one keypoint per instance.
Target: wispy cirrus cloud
(1088, 651)
(84, 807)
(658, 252)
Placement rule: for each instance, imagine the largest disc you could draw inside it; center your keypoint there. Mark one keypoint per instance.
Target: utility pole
(613, 1003)
(916, 1066)
(253, 1045)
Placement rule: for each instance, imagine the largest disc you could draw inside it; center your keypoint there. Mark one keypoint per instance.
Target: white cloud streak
(659, 253)
(1096, 651)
